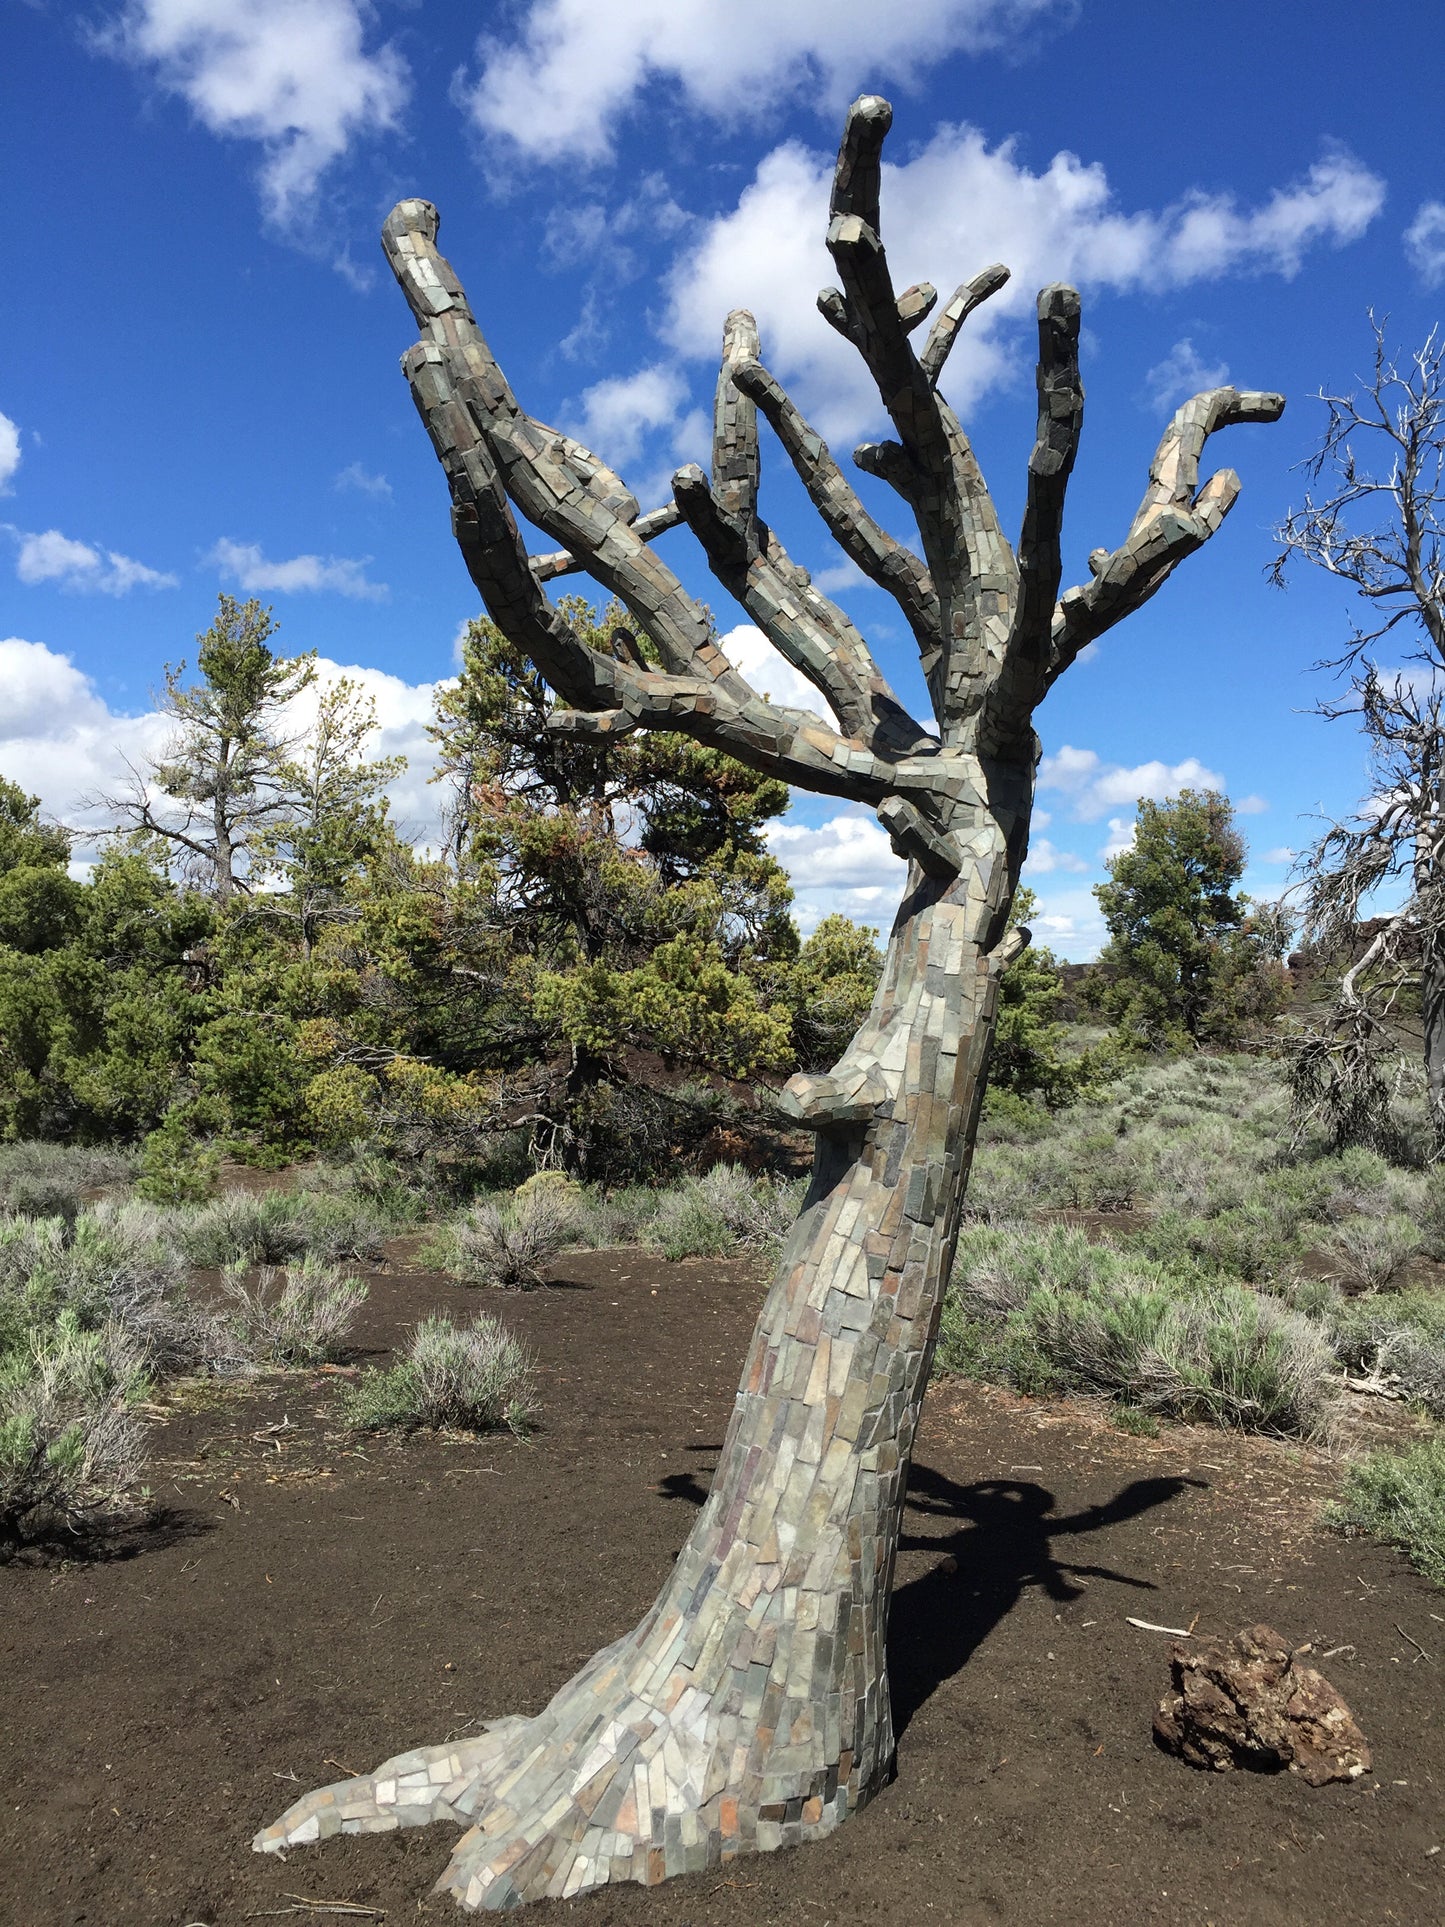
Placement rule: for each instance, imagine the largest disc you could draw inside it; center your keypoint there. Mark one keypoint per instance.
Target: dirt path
(308, 1605)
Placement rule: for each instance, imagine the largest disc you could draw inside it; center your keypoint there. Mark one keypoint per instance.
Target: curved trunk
(750, 1709)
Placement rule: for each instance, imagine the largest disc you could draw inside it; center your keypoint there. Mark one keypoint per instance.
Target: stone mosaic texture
(750, 1709)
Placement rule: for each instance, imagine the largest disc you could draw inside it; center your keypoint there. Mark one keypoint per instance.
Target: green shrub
(511, 1243)
(475, 1378)
(272, 1228)
(71, 1453)
(1250, 1242)
(175, 1168)
(725, 1212)
(301, 1320)
(1400, 1497)
(1045, 1310)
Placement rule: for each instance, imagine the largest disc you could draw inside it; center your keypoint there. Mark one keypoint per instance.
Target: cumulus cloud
(618, 414)
(557, 88)
(244, 564)
(1282, 853)
(1094, 787)
(1183, 372)
(749, 650)
(955, 205)
(61, 740)
(293, 75)
(9, 453)
(1044, 858)
(1070, 922)
(1252, 805)
(50, 557)
(354, 476)
(846, 864)
(1425, 242)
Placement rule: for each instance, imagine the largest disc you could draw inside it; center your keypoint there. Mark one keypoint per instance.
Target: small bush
(51, 1180)
(115, 1267)
(277, 1226)
(511, 1244)
(723, 1212)
(71, 1454)
(301, 1320)
(1372, 1253)
(175, 1168)
(475, 1378)
(1047, 1311)
(1400, 1497)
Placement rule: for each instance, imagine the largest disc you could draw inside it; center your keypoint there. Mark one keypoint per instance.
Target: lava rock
(1251, 1702)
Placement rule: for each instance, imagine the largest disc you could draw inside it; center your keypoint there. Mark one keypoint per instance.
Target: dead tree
(750, 1708)
(1378, 527)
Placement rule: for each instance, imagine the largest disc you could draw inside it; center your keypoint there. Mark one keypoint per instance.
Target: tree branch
(647, 528)
(965, 298)
(491, 451)
(1175, 518)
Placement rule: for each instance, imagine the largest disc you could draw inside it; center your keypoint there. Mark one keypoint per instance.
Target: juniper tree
(217, 783)
(750, 1707)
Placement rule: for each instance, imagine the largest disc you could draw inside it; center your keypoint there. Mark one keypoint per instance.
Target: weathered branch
(965, 298)
(647, 528)
(882, 559)
(1175, 518)
(1020, 682)
(492, 451)
(806, 628)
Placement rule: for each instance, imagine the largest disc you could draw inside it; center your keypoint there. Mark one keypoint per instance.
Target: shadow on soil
(1003, 1545)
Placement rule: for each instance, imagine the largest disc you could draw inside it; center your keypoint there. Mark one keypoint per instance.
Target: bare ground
(306, 1604)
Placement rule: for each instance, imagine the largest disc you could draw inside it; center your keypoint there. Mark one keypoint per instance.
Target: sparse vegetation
(296, 1317)
(1400, 1497)
(512, 1242)
(473, 1378)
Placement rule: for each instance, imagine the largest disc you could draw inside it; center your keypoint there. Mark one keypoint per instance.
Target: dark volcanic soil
(306, 1606)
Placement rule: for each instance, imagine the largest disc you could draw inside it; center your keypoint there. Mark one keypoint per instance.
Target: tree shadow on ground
(1003, 1545)
(49, 1542)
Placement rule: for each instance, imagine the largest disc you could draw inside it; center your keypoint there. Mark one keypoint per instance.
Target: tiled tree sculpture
(750, 1710)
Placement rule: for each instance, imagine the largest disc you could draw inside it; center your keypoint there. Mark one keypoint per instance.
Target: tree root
(582, 1796)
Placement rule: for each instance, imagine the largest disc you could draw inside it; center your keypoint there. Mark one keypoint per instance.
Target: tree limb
(1175, 518)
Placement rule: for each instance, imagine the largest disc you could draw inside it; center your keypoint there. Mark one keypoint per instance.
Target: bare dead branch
(965, 298)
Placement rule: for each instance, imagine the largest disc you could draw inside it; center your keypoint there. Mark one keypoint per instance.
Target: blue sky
(199, 339)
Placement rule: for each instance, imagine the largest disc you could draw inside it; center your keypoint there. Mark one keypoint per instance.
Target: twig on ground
(1413, 1641)
(1177, 1632)
(350, 1771)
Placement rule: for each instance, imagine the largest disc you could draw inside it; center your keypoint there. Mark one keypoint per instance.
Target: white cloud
(1282, 854)
(1183, 372)
(557, 89)
(53, 557)
(354, 476)
(595, 229)
(1044, 859)
(1252, 805)
(1120, 838)
(293, 75)
(954, 206)
(1425, 242)
(1070, 922)
(846, 864)
(252, 571)
(619, 413)
(61, 740)
(9, 453)
(1093, 787)
(749, 650)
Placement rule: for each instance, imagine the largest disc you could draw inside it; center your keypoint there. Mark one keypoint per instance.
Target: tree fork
(750, 1709)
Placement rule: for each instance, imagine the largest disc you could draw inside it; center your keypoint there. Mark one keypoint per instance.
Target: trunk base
(603, 1786)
